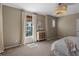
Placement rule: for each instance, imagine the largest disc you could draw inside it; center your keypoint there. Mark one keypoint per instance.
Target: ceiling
(46, 8)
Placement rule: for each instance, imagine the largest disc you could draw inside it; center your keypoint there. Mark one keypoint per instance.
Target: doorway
(28, 26)
(28, 29)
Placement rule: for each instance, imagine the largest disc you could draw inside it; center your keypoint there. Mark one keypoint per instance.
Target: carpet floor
(42, 48)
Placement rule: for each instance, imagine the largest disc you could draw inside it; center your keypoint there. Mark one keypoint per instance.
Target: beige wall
(46, 24)
(1, 30)
(11, 26)
(67, 25)
(50, 30)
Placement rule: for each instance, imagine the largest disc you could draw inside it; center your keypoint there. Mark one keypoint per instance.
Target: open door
(28, 28)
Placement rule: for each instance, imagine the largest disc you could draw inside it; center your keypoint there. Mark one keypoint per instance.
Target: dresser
(41, 35)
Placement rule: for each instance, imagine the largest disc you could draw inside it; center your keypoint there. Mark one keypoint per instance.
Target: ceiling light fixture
(61, 8)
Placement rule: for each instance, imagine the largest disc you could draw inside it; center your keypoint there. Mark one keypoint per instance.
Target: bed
(60, 47)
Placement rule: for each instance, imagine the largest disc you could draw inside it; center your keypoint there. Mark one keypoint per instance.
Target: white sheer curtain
(34, 19)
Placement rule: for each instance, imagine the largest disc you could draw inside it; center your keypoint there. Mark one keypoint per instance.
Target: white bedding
(59, 47)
